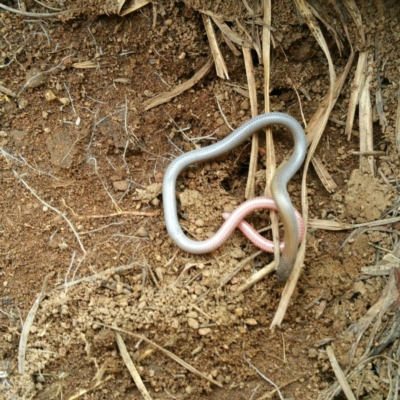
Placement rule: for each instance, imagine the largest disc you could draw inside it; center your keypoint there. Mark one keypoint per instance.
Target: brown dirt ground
(80, 140)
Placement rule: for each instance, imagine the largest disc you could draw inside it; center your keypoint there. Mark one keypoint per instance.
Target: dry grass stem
(131, 367)
(55, 210)
(357, 18)
(269, 395)
(223, 116)
(115, 204)
(220, 66)
(397, 131)
(300, 104)
(359, 78)
(231, 46)
(167, 96)
(134, 213)
(6, 91)
(82, 392)
(109, 271)
(47, 6)
(27, 326)
(316, 125)
(133, 6)
(264, 377)
(340, 375)
(167, 352)
(34, 15)
(252, 39)
(372, 320)
(224, 28)
(324, 175)
(269, 142)
(378, 95)
(208, 316)
(268, 269)
(248, 62)
(316, 130)
(239, 267)
(339, 226)
(86, 64)
(366, 126)
(42, 73)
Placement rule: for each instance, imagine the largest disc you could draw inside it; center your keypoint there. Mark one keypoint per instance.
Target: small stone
(62, 351)
(168, 22)
(192, 314)
(142, 305)
(63, 246)
(121, 185)
(312, 353)
(3, 134)
(242, 330)
(250, 321)
(193, 323)
(64, 101)
(237, 252)
(337, 197)
(35, 77)
(175, 323)
(199, 222)
(245, 105)
(228, 208)
(22, 103)
(148, 93)
(159, 273)
(119, 288)
(182, 55)
(49, 96)
(142, 232)
(204, 331)
(188, 390)
(155, 202)
(239, 311)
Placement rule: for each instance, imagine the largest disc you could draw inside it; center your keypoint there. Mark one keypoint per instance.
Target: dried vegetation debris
(78, 93)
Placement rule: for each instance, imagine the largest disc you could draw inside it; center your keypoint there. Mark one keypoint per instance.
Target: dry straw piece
(27, 326)
(167, 352)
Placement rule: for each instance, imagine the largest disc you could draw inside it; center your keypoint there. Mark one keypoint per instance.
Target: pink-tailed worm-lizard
(278, 189)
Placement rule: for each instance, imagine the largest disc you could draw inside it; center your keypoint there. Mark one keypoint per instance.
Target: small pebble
(49, 96)
(228, 208)
(239, 311)
(142, 232)
(192, 314)
(64, 101)
(193, 323)
(245, 105)
(120, 185)
(155, 202)
(35, 77)
(204, 331)
(22, 103)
